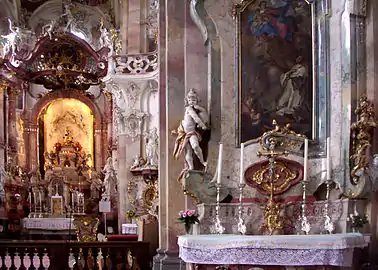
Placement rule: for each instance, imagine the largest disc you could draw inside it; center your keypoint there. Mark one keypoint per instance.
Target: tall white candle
(242, 163)
(220, 163)
(328, 158)
(305, 159)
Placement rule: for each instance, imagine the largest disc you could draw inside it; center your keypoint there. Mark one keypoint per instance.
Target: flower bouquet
(358, 222)
(188, 217)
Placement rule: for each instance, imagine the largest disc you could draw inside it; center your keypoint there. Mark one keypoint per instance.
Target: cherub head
(191, 97)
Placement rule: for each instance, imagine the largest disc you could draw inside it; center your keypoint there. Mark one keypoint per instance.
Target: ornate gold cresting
(272, 210)
(273, 222)
(275, 143)
(362, 138)
(290, 175)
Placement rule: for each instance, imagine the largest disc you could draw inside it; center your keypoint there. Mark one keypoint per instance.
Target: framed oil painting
(275, 74)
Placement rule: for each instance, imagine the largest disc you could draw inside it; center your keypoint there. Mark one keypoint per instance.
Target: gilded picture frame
(278, 65)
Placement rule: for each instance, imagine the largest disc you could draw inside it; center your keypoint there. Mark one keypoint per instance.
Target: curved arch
(46, 99)
(100, 127)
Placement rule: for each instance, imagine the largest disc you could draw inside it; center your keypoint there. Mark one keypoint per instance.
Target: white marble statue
(152, 147)
(12, 38)
(48, 29)
(110, 182)
(105, 38)
(70, 18)
(188, 137)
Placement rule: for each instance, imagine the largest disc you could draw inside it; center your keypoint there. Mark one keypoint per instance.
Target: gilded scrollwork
(362, 138)
(143, 196)
(285, 139)
(281, 168)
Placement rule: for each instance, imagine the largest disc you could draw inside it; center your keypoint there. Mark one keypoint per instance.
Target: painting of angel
(275, 74)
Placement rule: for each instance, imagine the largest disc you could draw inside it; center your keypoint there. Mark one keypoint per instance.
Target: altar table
(279, 250)
(53, 224)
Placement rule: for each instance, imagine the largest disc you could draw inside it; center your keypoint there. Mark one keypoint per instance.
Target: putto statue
(189, 131)
(152, 145)
(48, 29)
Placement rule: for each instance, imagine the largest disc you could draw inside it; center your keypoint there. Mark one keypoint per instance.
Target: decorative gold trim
(273, 223)
(362, 138)
(259, 178)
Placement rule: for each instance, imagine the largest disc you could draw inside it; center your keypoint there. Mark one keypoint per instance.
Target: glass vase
(188, 228)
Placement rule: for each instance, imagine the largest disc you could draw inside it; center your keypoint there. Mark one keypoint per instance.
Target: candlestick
(241, 163)
(40, 204)
(217, 227)
(73, 201)
(328, 224)
(305, 224)
(241, 226)
(220, 163)
(305, 159)
(328, 159)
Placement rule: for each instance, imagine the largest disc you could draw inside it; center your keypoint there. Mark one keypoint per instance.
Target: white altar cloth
(55, 224)
(288, 250)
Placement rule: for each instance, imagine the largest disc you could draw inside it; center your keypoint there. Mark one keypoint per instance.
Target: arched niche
(99, 127)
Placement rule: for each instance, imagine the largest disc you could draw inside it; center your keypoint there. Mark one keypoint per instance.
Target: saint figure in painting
(292, 83)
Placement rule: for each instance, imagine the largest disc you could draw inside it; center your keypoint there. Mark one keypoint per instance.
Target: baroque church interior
(192, 134)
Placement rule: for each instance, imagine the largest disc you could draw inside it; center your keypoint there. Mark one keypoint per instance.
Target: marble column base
(166, 260)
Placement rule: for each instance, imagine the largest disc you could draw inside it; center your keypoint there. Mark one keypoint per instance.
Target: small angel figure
(48, 29)
(105, 38)
(11, 38)
(70, 18)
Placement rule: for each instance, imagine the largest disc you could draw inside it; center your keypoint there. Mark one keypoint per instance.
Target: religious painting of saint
(274, 66)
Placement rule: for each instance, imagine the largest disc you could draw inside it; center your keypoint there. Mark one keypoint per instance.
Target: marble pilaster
(372, 94)
(171, 100)
(134, 26)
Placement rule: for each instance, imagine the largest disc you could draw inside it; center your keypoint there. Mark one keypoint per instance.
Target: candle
(328, 159)
(220, 163)
(305, 159)
(242, 163)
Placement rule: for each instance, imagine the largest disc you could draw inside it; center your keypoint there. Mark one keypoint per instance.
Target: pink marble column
(12, 130)
(171, 100)
(33, 150)
(98, 143)
(26, 137)
(2, 135)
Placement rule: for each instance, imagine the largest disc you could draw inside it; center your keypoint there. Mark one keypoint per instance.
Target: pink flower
(181, 213)
(191, 213)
